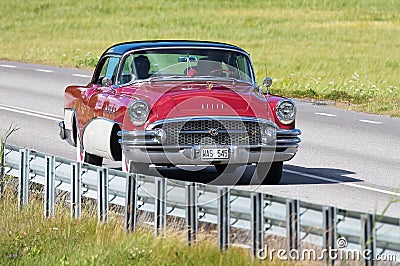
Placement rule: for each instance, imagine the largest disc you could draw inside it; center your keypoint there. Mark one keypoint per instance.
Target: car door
(102, 86)
(118, 99)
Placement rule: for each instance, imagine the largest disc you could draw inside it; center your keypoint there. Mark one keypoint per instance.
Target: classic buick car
(173, 103)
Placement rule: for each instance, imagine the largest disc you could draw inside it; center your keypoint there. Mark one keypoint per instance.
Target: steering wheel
(221, 70)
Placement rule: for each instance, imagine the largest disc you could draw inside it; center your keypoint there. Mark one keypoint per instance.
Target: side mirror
(267, 82)
(106, 82)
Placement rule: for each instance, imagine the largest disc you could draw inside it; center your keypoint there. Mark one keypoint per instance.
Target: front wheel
(93, 159)
(270, 173)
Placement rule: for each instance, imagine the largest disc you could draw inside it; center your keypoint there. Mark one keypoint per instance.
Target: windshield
(186, 63)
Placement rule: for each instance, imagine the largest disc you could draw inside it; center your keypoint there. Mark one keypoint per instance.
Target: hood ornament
(209, 85)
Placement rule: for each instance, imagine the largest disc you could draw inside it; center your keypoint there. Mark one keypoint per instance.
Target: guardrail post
(223, 218)
(160, 206)
(102, 194)
(76, 189)
(368, 238)
(257, 222)
(131, 202)
(293, 224)
(49, 186)
(23, 181)
(191, 213)
(329, 235)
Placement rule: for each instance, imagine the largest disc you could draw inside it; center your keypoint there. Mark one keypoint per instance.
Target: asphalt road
(346, 159)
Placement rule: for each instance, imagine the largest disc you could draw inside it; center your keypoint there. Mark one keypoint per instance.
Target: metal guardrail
(228, 208)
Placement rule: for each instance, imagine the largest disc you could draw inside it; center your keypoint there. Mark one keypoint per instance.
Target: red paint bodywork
(170, 100)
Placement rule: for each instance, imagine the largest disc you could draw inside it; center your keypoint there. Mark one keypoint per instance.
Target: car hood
(193, 99)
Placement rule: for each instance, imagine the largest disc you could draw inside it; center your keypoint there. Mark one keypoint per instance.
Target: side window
(135, 67)
(108, 70)
(126, 71)
(243, 66)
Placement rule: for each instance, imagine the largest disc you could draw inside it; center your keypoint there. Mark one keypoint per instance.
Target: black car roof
(122, 48)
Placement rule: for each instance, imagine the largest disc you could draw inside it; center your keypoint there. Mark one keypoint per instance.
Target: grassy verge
(26, 238)
(346, 50)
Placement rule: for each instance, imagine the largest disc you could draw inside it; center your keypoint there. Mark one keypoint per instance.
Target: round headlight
(286, 111)
(138, 112)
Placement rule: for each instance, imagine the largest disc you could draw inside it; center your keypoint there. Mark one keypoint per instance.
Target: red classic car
(175, 103)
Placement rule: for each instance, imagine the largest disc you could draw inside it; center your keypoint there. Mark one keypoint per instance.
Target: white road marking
(81, 76)
(30, 112)
(370, 122)
(325, 114)
(8, 66)
(343, 183)
(44, 70)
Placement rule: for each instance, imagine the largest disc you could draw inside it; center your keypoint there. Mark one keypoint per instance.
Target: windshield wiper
(226, 79)
(198, 78)
(152, 78)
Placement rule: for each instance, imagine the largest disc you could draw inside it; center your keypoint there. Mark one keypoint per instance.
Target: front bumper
(66, 134)
(146, 146)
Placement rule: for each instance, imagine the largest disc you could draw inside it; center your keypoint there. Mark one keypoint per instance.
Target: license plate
(214, 153)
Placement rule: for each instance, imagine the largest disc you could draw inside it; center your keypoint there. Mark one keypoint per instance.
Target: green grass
(345, 50)
(26, 238)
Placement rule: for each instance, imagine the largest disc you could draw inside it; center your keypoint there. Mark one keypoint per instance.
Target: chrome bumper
(146, 146)
(66, 134)
(288, 138)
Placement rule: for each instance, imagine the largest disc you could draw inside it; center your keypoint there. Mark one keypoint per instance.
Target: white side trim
(97, 138)
(68, 119)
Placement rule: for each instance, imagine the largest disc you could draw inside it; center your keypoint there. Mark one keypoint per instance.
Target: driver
(142, 65)
(205, 67)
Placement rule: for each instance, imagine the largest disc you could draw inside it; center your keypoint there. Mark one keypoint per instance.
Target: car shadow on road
(246, 175)
(205, 175)
(297, 175)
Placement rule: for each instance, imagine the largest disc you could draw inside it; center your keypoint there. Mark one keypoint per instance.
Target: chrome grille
(197, 132)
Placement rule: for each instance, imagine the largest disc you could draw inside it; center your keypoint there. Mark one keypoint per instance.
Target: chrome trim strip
(288, 138)
(136, 133)
(140, 137)
(151, 137)
(199, 118)
(140, 142)
(280, 142)
(233, 131)
(175, 147)
(289, 133)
